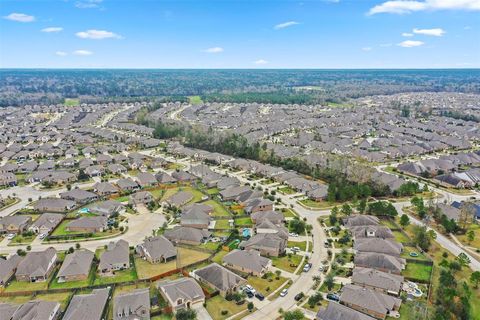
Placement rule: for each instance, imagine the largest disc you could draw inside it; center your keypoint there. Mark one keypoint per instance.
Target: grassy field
(476, 241)
(222, 224)
(400, 237)
(243, 221)
(146, 269)
(300, 244)
(213, 191)
(120, 276)
(317, 204)
(197, 195)
(26, 286)
(194, 100)
(286, 263)
(266, 286)
(70, 102)
(219, 256)
(289, 213)
(217, 304)
(22, 239)
(218, 209)
(287, 190)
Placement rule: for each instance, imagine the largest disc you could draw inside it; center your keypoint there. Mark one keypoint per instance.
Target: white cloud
(88, 4)
(436, 32)
(20, 17)
(97, 34)
(410, 43)
(408, 6)
(52, 29)
(285, 25)
(82, 53)
(367, 49)
(61, 53)
(261, 62)
(214, 50)
(406, 34)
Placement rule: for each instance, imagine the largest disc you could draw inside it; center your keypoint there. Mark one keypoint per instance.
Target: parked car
(295, 249)
(259, 296)
(249, 293)
(307, 267)
(333, 297)
(42, 236)
(10, 236)
(299, 296)
(250, 288)
(321, 268)
(283, 293)
(326, 244)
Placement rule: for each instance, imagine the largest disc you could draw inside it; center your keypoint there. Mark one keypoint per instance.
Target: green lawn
(74, 284)
(406, 254)
(120, 276)
(210, 245)
(222, 224)
(476, 241)
(300, 244)
(71, 102)
(286, 263)
(244, 221)
(289, 213)
(26, 286)
(218, 209)
(266, 286)
(287, 190)
(335, 288)
(417, 271)
(400, 237)
(217, 304)
(213, 191)
(317, 204)
(197, 195)
(219, 256)
(22, 239)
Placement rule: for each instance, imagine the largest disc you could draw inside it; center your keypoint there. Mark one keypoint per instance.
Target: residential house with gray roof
(54, 205)
(268, 244)
(79, 196)
(116, 257)
(360, 220)
(104, 188)
(88, 224)
(8, 267)
(380, 261)
(187, 235)
(46, 223)
(133, 305)
(385, 282)
(219, 278)
(31, 310)
(156, 249)
(14, 224)
(371, 302)
(378, 245)
(179, 199)
(183, 293)
(36, 266)
(89, 306)
(247, 261)
(146, 179)
(107, 208)
(337, 311)
(75, 266)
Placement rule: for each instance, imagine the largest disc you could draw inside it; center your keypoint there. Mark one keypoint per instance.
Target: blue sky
(240, 34)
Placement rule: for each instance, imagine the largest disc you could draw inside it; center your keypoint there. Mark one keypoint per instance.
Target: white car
(283, 293)
(250, 288)
(295, 249)
(42, 236)
(10, 236)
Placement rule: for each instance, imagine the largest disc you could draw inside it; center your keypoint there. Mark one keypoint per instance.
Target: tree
(421, 237)
(346, 209)
(404, 220)
(250, 306)
(475, 278)
(297, 226)
(313, 300)
(186, 314)
(293, 315)
(362, 205)
(463, 259)
(470, 236)
(329, 282)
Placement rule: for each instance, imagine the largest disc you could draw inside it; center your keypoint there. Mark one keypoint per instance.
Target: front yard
(266, 286)
(287, 263)
(218, 305)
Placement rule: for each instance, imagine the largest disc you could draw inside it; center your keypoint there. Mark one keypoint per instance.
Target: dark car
(249, 293)
(333, 297)
(299, 296)
(259, 296)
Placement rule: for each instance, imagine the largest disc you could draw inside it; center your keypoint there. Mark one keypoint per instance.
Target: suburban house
(36, 266)
(14, 224)
(79, 196)
(165, 178)
(76, 266)
(88, 224)
(54, 205)
(195, 217)
(274, 217)
(451, 212)
(127, 184)
(146, 179)
(379, 261)
(89, 306)
(371, 302)
(219, 278)
(107, 208)
(388, 283)
(183, 176)
(386, 246)
(371, 232)
(156, 249)
(140, 198)
(360, 220)
(269, 244)
(248, 261)
(46, 223)
(132, 305)
(37, 309)
(116, 168)
(8, 179)
(258, 205)
(337, 311)
(179, 199)
(8, 267)
(187, 235)
(181, 293)
(116, 257)
(104, 188)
